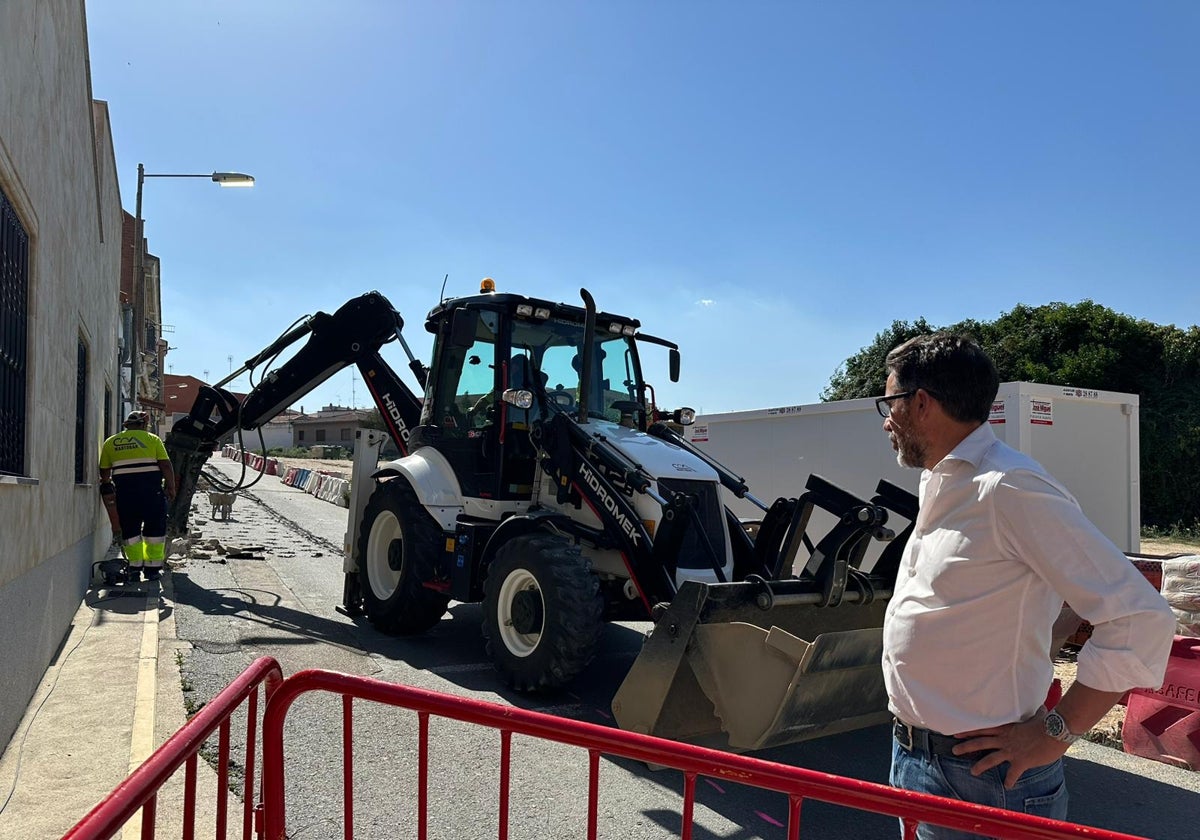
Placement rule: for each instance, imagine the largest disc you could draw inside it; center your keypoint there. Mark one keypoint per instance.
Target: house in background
(279, 432)
(333, 425)
(179, 395)
(60, 264)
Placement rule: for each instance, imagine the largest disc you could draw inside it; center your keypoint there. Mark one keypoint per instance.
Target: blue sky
(768, 183)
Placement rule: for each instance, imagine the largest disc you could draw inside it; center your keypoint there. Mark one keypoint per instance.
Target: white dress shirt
(997, 547)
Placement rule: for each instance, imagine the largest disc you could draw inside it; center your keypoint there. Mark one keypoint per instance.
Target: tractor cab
(504, 363)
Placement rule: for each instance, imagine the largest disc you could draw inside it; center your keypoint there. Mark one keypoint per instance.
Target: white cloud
(705, 302)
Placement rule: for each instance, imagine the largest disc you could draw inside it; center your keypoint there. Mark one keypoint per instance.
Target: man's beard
(909, 451)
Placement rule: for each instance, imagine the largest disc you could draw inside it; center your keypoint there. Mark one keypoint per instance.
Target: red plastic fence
(141, 789)
(694, 762)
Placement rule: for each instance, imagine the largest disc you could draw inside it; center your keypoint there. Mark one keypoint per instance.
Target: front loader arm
(351, 335)
(586, 469)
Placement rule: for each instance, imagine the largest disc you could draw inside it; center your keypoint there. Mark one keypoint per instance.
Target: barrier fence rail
(694, 762)
(142, 787)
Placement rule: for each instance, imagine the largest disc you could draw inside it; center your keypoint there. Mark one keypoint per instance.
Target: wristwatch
(1057, 728)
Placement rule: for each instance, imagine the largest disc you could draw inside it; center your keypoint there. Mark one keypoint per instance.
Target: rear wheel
(542, 612)
(396, 552)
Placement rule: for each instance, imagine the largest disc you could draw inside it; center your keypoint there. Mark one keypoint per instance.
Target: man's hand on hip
(1023, 745)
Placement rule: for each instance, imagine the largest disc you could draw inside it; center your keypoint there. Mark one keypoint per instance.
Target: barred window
(14, 329)
(345, 434)
(299, 434)
(320, 435)
(81, 413)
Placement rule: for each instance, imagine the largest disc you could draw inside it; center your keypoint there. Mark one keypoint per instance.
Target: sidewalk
(110, 697)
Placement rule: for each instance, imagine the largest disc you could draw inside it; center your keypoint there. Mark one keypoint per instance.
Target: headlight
(614, 328)
(628, 330)
(524, 309)
(541, 312)
(684, 416)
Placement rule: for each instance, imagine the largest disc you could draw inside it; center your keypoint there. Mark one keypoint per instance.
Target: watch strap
(1056, 727)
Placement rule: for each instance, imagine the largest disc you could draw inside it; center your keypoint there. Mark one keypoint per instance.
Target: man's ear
(924, 402)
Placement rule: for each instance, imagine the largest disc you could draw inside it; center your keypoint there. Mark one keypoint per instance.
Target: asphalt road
(282, 603)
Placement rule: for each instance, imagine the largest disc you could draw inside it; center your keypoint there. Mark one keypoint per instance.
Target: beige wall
(58, 170)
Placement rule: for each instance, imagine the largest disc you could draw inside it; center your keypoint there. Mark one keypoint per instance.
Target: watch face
(1055, 725)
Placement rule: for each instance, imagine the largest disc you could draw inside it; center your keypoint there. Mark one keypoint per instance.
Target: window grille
(14, 329)
(320, 435)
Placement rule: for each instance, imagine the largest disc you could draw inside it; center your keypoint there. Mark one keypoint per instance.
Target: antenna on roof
(442, 296)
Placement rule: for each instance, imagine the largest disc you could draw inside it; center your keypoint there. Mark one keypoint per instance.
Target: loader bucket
(746, 666)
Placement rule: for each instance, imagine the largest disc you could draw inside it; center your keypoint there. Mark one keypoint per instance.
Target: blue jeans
(1041, 791)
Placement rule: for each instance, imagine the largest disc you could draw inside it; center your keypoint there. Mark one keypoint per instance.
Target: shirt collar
(974, 446)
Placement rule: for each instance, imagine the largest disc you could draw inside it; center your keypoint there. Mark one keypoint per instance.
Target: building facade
(60, 259)
(332, 426)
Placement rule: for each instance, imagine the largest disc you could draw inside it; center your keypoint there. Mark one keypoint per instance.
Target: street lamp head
(233, 179)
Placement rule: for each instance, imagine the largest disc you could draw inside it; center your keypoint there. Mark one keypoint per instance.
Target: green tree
(373, 420)
(863, 374)
(1089, 346)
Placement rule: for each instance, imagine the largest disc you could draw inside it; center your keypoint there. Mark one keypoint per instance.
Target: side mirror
(673, 363)
(462, 328)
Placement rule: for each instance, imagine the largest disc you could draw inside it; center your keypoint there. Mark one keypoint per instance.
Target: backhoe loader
(538, 477)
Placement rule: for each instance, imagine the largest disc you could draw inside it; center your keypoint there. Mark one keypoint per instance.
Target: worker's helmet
(137, 418)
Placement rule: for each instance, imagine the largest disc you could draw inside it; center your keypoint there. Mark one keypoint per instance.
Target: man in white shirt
(997, 547)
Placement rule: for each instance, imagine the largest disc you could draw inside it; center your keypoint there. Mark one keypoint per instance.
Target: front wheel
(542, 612)
(396, 554)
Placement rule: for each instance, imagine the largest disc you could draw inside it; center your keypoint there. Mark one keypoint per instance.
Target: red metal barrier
(140, 790)
(694, 762)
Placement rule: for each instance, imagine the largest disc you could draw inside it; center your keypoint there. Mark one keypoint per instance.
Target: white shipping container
(1087, 439)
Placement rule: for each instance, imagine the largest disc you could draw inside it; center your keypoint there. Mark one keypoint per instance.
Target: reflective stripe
(131, 469)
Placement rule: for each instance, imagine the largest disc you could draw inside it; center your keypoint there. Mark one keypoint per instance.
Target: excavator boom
(351, 335)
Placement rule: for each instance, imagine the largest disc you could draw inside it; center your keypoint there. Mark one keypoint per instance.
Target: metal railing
(141, 789)
(694, 762)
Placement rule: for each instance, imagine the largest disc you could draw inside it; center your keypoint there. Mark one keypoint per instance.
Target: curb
(145, 701)
(141, 742)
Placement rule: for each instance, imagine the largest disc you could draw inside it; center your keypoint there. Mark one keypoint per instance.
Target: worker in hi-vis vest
(136, 477)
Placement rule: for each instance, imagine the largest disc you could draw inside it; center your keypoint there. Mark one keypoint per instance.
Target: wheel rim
(384, 547)
(519, 584)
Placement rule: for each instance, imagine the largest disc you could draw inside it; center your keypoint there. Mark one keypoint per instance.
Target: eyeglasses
(884, 404)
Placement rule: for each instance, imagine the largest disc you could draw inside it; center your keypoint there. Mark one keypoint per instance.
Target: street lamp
(224, 179)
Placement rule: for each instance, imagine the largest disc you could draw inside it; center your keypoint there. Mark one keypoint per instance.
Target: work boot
(152, 574)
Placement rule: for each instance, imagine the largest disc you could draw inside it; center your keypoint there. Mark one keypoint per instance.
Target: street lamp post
(225, 179)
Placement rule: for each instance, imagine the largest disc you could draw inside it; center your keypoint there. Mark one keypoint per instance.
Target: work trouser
(142, 511)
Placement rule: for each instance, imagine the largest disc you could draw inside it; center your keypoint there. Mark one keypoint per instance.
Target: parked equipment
(539, 477)
(112, 568)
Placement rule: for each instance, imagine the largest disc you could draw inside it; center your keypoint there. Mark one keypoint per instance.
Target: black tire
(542, 612)
(397, 548)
